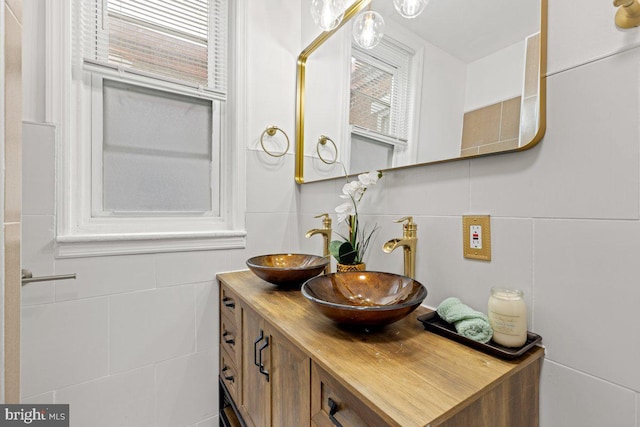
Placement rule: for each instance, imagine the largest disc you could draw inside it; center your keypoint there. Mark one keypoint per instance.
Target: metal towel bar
(27, 277)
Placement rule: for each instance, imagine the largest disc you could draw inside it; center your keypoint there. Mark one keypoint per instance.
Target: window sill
(379, 137)
(90, 245)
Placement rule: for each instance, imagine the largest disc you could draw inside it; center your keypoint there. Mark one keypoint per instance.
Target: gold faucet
(409, 242)
(628, 13)
(326, 235)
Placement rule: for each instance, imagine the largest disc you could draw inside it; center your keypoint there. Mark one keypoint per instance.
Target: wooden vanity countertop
(413, 376)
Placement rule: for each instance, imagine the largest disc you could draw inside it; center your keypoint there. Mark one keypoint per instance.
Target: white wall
(442, 105)
(495, 78)
(327, 94)
(565, 227)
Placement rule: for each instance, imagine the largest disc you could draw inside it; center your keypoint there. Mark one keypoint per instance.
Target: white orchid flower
(345, 210)
(353, 190)
(370, 178)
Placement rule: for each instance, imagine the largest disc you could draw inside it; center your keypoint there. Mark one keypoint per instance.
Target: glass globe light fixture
(327, 14)
(410, 8)
(368, 29)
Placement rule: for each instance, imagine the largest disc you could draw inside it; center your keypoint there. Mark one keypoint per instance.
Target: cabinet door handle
(333, 410)
(255, 347)
(228, 302)
(261, 365)
(231, 341)
(225, 376)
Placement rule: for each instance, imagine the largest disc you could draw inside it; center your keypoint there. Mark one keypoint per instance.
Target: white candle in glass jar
(508, 317)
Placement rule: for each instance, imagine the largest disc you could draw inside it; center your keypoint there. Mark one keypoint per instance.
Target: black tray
(433, 323)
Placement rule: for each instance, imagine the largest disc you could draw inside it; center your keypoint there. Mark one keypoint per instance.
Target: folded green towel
(467, 321)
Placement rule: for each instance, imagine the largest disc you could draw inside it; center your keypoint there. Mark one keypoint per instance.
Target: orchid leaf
(343, 252)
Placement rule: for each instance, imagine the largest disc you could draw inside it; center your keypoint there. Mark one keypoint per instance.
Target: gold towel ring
(323, 141)
(271, 131)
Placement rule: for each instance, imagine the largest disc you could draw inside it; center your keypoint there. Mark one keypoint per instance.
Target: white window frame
(404, 151)
(79, 233)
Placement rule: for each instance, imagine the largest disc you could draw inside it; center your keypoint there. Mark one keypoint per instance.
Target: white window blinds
(183, 41)
(380, 90)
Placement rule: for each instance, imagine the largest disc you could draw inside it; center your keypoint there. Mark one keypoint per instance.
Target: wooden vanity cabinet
(283, 364)
(272, 386)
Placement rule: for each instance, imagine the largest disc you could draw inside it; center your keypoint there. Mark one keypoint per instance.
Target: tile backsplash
(492, 128)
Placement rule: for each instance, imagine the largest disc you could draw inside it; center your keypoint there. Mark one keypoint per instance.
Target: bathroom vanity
(284, 364)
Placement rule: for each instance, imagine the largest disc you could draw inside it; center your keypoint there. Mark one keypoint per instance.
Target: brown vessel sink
(364, 298)
(287, 270)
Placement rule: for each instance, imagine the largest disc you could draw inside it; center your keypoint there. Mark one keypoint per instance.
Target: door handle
(255, 348)
(231, 340)
(260, 364)
(225, 376)
(333, 410)
(27, 277)
(228, 302)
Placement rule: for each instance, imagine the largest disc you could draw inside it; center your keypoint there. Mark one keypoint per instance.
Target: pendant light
(368, 29)
(327, 14)
(410, 8)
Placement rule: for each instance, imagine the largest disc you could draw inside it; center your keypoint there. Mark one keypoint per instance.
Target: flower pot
(341, 268)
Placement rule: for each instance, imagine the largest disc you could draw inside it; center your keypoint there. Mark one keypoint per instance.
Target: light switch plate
(476, 237)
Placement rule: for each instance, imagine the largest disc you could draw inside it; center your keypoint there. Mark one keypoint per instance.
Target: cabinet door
(291, 384)
(256, 389)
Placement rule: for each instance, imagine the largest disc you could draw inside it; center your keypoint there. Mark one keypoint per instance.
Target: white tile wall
(571, 398)
(212, 422)
(268, 231)
(186, 389)
(207, 316)
(427, 191)
(37, 236)
(63, 344)
(318, 197)
(105, 276)
(38, 165)
(579, 35)
(39, 399)
(118, 400)
(592, 151)
(585, 293)
(271, 186)
(564, 222)
(190, 267)
(151, 326)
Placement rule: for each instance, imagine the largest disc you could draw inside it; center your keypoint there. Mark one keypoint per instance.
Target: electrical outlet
(476, 237)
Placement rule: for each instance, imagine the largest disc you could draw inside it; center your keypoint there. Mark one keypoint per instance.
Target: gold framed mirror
(464, 79)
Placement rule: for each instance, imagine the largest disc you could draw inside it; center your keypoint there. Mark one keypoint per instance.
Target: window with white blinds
(182, 41)
(379, 104)
(148, 125)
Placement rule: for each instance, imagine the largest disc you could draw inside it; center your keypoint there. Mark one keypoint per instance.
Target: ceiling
(470, 29)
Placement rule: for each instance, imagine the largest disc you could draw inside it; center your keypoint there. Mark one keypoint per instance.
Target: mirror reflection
(461, 79)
